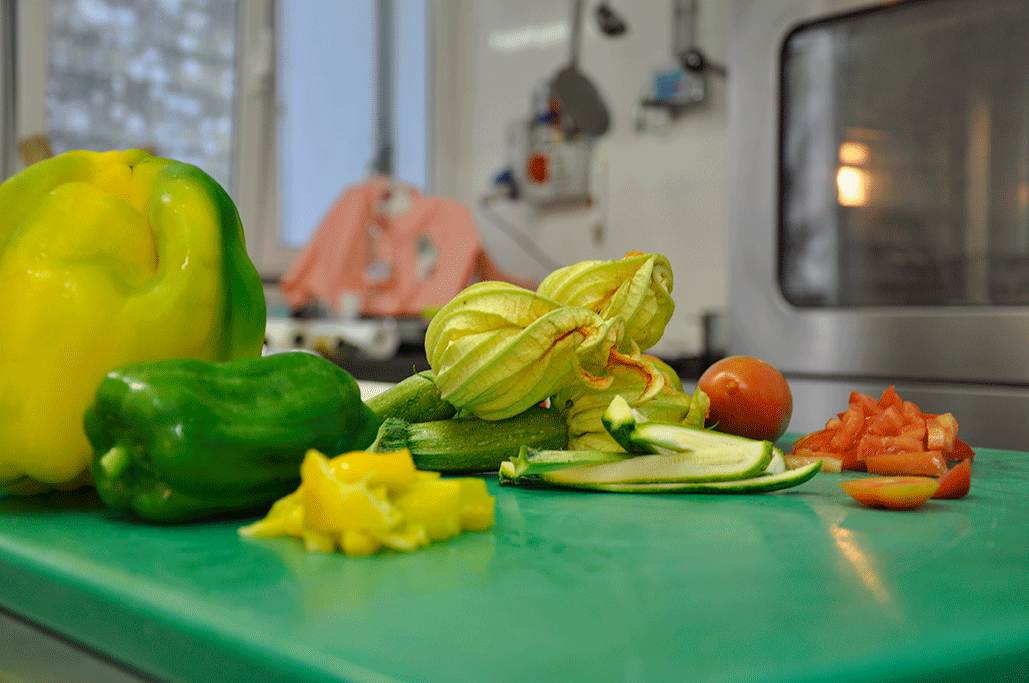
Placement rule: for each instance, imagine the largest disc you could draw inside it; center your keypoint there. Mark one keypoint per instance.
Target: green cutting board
(801, 585)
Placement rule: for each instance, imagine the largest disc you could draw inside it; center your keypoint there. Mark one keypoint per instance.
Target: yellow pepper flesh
(362, 502)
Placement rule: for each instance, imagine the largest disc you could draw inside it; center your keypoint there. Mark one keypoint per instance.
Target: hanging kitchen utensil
(611, 22)
(579, 98)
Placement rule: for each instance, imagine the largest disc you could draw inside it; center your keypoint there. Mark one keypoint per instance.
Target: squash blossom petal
(583, 406)
(636, 288)
(497, 349)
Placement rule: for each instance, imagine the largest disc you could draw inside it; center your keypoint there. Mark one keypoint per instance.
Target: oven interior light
(852, 186)
(854, 153)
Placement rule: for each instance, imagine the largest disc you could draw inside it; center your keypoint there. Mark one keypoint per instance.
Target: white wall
(659, 191)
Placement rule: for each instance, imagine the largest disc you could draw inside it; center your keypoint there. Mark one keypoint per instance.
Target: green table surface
(801, 585)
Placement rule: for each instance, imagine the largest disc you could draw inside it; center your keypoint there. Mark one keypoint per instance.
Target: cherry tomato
(896, 493)
(748, 398)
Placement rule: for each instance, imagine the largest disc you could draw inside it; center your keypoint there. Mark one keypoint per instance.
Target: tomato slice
(961, 451)
(895, 493)
(815, 441)
(920, 463)
(956, 481)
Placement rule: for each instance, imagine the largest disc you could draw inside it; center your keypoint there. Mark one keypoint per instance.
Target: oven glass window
(904, 160)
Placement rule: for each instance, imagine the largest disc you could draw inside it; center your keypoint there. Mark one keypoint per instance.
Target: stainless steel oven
(879, 204)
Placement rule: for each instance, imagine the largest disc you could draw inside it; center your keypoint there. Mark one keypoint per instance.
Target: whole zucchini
(470, 444)
(414, 399)
(178, 440)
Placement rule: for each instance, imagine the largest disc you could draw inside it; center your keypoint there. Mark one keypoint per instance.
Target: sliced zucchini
(778, 464)
(637, 436)
(534, 460)
(661, 457)
(620, 422)
(759, 484)
(713, 464)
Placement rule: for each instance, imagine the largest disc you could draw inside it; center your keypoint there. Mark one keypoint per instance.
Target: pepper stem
(114, 461)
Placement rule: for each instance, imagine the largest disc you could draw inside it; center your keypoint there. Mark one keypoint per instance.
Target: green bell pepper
(108, 258)
(180, 440)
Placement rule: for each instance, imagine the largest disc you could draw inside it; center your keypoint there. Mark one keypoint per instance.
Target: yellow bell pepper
(108, 258)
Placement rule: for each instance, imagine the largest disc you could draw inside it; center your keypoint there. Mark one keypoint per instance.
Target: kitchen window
(277, 99)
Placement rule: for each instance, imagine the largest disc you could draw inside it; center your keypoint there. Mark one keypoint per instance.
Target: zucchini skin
(180, 440)
(750, 485)
(414, 399)
(471, 444)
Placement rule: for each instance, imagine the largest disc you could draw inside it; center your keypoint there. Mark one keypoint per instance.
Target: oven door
(879, 205)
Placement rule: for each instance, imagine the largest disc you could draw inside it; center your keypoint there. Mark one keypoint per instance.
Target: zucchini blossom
(583, 406)
(497, 349)
(636, 288)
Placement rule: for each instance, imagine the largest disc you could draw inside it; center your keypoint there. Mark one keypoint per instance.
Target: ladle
(578, 96)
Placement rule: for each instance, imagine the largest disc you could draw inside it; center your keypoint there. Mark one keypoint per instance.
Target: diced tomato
(830, 461)
(870, 444)
(902, 444)
(914, 429)
(889, 398)
(847, 436)
(896, 493)
(868, 405)
(961, 451)
(934, 436)
(922, 463)
(950, 430)
(955, 482)
(888, 423)
(911, 411)
(874, 444)
(815, 441)
(941, 430)
(851, 460)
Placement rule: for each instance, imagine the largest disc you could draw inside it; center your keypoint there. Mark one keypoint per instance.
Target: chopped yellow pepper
(362, 502)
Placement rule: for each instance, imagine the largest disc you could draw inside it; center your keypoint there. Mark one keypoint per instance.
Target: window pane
(326, 76)
(905, 157)
(145, 73)
(410, 157)
(327, 84)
